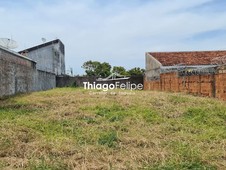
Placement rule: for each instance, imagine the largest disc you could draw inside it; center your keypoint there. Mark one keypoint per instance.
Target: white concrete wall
(49, 58)
(152, 67)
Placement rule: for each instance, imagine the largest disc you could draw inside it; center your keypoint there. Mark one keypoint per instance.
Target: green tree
(136, 71)
(90, 67)
(98, 69)
(120, 70)
(104, 69)
(95, 68)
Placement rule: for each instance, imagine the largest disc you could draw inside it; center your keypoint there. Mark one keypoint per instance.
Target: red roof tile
(187, 58)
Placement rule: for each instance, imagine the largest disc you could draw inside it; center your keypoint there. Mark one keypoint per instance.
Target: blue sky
(116, 31)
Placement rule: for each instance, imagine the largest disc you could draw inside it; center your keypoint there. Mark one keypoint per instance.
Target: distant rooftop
(187, 58)
(43, 45)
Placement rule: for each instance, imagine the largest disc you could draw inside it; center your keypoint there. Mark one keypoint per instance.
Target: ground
(73, 128)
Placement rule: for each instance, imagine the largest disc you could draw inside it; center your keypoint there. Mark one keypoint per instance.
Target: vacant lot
(76, 129)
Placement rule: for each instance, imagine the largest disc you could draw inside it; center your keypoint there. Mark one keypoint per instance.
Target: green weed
(109, 139)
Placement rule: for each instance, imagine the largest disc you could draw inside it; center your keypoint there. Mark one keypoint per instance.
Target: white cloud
(119, 32)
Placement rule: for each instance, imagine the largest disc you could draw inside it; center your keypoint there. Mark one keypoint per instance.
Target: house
(50, 56)
(162, 62)
(197, 72)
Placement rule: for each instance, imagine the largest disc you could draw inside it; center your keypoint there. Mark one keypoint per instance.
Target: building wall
(220, 84)
(68, 81)
(16, 73)
(152, 67)
(43, 81)
(49, 58)
(203, 85)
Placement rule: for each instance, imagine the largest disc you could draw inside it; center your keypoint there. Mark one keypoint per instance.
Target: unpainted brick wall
(203, 85)
(220, 82)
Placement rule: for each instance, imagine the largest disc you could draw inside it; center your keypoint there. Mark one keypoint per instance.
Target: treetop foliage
(98, 69)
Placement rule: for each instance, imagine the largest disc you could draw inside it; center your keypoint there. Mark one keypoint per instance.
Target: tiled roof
(187, 58)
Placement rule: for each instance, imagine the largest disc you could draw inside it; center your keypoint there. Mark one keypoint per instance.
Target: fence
(211, 85)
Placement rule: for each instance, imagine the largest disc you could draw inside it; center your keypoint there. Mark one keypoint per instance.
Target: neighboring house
(162, 62)
(50, 56)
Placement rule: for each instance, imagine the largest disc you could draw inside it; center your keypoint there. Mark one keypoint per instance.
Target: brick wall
(220, 80)
(203, 85)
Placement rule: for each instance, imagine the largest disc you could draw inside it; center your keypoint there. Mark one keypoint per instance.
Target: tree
(95, 68)
(136, 71)
(104, 69)
(98, 69)
(90, 67)
(119, 70)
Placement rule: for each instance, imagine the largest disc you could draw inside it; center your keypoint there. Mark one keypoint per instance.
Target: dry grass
(72, 128)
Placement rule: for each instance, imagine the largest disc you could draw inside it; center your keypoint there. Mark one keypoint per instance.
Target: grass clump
(151, 116)
(44, 165)
(109, 139)
(111, 113)
(210, 117)
(183, 166)
(178, 99)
